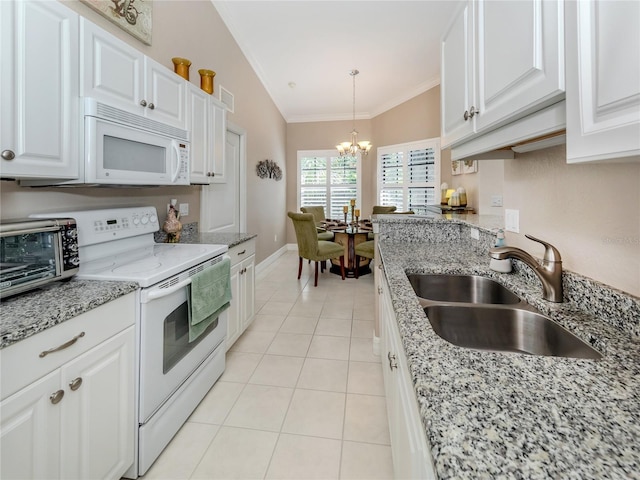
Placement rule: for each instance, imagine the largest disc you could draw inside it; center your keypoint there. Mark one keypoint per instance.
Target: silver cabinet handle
(63, 346)
(75, 383)
(242, 252)
(143, 103)
(211, 174)
(466, 115)
(392, 361)
(473, 112)
(56, 396)
(152, 106)
(8, 155)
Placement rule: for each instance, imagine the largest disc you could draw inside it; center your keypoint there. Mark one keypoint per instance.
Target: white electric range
(173, 375)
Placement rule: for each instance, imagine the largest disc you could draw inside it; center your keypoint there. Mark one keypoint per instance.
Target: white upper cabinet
(198, 125)
(207, 122)
(603, 81)
(39, 123)
(457, 80)
(501, 61)
(115, 73)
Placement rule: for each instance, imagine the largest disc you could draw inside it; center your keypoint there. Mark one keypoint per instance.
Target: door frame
(242, 180)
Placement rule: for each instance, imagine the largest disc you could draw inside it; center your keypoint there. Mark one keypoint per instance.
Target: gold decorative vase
(206, 80)
(181, 67)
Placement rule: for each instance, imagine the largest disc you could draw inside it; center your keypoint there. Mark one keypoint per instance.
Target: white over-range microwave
(122, 148)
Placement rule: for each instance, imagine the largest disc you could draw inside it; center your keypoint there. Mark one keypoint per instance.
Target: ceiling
(303, 51)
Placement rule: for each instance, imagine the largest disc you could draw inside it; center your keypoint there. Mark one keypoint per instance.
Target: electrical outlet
(512, 220)
(496, 200)
(475, 233)
(184, 209)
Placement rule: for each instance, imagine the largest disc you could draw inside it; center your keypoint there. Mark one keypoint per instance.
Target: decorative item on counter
(454, 199)
(206, 80)
(448, 195)
(463, 196)
(172, 225)
(268, 169)
(443, 193)
(181, 67)
(502, 266)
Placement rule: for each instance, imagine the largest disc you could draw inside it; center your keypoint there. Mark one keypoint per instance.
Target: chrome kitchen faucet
(549, 272)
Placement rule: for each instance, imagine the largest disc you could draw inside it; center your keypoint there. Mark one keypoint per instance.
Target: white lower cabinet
(242, 309)
(76, 421)
(409, 448)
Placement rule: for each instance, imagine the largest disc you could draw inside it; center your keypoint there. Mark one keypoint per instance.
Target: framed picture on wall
(456, 167)
(133, 16)
(469, 166)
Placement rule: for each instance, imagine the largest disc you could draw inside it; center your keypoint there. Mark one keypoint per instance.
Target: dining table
(349, 235)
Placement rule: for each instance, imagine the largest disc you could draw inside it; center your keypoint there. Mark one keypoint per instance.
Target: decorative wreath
(269, 169)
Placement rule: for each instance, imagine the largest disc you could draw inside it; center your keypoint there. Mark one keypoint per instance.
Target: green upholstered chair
(383, 209)
(319, 216)
(364, 249)
(310, 247)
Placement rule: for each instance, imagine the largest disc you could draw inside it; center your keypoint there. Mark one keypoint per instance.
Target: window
(409, 175)
(325, 178)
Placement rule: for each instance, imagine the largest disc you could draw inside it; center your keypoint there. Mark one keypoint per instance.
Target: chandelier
(354, 146)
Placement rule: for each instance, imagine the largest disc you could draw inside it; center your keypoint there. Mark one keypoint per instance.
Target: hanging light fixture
(354, 146)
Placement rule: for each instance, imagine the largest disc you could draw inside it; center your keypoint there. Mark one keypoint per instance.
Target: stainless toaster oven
(34, 252)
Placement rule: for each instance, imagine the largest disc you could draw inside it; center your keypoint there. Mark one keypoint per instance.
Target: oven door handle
(163, 292)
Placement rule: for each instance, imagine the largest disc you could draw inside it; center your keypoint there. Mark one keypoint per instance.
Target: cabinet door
(39, 121)
(198, 125)
(110, 70)
(30, 431)
(248, 291)
(519, 59)
(234, 317)
(218, 134)
(165, 94)
(98, 415)
(603, 81)
(457, 77)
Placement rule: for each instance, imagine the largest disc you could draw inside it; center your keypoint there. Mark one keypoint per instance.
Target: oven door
(167, 358)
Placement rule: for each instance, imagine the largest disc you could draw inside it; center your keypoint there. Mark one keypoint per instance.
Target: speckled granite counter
(506, 415)
(190, 234)
(30, 313)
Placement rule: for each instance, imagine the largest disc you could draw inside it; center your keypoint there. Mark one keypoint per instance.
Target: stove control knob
(145, 220)
(154, 219)
(136, 221)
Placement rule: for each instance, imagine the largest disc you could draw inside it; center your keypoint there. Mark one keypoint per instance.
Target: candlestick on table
(353, 202)
(345, 209)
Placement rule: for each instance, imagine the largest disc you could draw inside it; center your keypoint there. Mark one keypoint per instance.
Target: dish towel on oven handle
(210, 296)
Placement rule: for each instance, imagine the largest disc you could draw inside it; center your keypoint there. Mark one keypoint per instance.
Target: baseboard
(291, 246)
(263, 265)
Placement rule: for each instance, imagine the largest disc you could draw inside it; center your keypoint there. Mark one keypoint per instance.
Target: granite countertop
(508, 415)
(29, 313)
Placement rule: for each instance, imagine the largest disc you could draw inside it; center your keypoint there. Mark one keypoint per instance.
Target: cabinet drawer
(98, 325)
(242, 251)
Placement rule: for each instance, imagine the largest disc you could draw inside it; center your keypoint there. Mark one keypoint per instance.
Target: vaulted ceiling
(303, 51)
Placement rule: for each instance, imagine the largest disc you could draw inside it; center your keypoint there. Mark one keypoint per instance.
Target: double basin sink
(476, 312)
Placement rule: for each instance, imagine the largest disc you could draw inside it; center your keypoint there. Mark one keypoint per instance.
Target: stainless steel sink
(508, 329)
(461, 288)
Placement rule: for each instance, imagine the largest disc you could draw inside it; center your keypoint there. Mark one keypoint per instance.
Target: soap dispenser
(502, 266)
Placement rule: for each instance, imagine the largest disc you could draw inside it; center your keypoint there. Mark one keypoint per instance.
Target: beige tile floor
(302, 394)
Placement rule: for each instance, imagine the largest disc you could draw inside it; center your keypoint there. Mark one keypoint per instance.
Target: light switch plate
(512, 220)
(475, 234)
(184, 209)
(496, 200)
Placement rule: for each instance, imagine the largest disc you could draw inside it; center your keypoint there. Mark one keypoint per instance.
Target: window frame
(433, 143)
(328, 154)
